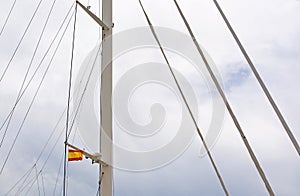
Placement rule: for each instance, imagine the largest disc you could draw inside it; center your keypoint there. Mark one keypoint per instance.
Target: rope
(259, 79)
(16, 49)
(185, 101)
(68, 104)
(9, 13)
(253, 157)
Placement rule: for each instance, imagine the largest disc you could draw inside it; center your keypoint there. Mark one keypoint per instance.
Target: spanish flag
(75, 155)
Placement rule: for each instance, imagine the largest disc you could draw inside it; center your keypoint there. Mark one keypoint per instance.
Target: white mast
(105, 150)
(105, 96)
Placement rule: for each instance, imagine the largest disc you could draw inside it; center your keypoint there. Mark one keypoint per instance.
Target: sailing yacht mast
(105, 148)
(105, 101)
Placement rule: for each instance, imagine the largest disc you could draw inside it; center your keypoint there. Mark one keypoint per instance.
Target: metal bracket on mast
(96, 19)
(96, 158)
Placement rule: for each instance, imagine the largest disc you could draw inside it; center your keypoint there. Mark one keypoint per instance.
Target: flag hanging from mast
(75, 155)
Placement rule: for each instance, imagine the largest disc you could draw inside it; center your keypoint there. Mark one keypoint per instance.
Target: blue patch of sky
(236, 75)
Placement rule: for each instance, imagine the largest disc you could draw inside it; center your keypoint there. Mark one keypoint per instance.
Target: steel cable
(186, 103)
(234, 118)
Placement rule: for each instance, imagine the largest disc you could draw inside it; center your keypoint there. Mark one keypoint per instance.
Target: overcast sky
(270, 33)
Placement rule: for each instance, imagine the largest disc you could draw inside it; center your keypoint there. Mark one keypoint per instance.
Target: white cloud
(269, 30)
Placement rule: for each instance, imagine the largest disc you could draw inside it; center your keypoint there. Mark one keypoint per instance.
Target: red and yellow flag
(75, 155)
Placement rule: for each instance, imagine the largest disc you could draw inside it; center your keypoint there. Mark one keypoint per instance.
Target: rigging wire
(51, 151)
(234, 118)
(27, 71)
(8, 16)
(43, 184)
(37, 181)
(38, 67)
(29, 184)
(49, 155)
(42, 151)
(68, 104)
(185, 101)
(55, 144)
(27, 173)
(61, 161)
(20, 41)
(259, 79)
(59, 169)
(52, 147)
(35, 95)
(84, 90)
(81, 98)
(47, 142)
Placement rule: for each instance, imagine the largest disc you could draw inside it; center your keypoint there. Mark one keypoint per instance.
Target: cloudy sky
(270, 33)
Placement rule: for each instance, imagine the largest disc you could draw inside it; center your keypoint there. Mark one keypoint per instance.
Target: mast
(105, 147)
(105, 101)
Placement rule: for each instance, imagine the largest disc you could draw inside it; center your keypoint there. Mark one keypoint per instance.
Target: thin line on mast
(185, 102)
(234, 118)
(260, 81)
(99, 38)
(68, 104)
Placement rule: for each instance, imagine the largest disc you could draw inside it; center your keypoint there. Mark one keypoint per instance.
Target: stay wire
(57, 177)
(26, 175)
(37, 181)
(45, 162)
(68, 104)
(42, 151)
(28, 69)
(44, 147)
(260, 81)
(20, 41)
(38, 67)
(49, 155)
(43, 184)
(186, 103)
(84, 90)
(8, 16)
(234, 118)
(28, 184)
(35, 95)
